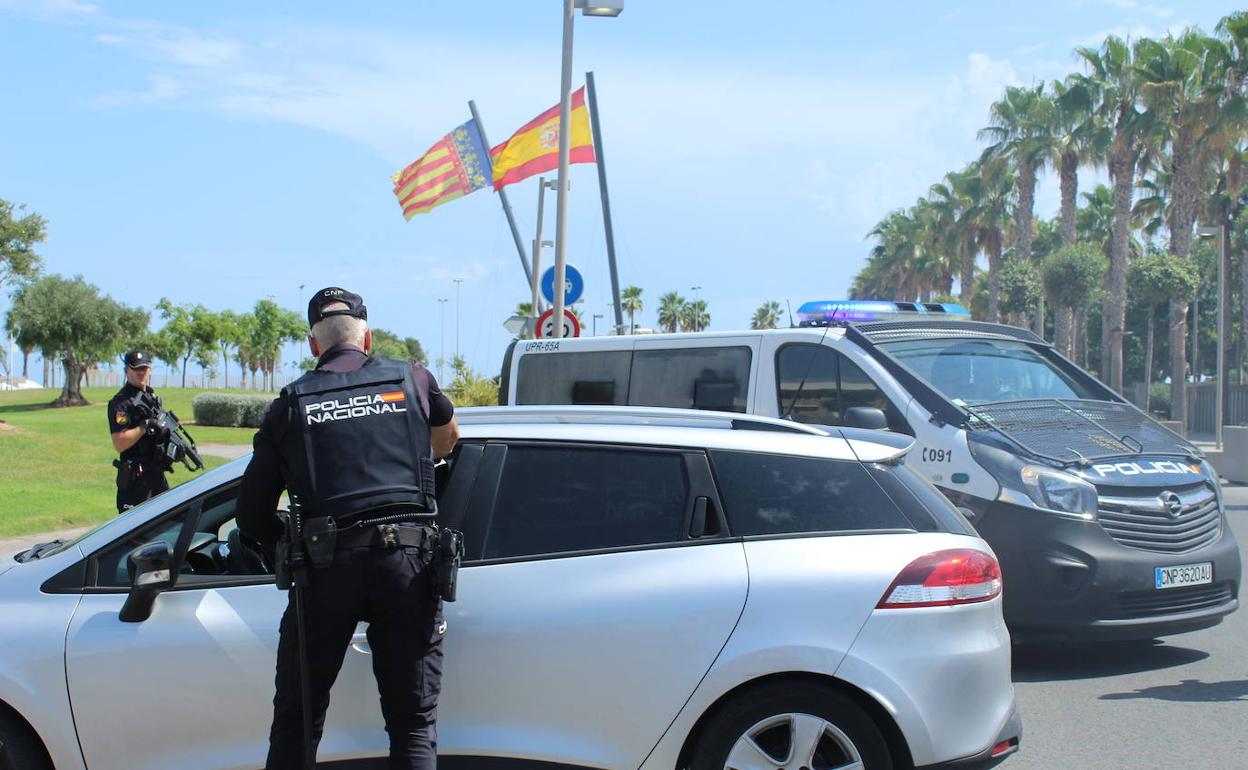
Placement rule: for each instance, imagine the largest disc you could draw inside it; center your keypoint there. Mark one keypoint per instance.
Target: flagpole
(502, 196)
(606, 199)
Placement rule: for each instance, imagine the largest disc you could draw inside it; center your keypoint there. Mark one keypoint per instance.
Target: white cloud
(49, 9)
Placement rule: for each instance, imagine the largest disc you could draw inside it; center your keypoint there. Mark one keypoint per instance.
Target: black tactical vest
(358, 442)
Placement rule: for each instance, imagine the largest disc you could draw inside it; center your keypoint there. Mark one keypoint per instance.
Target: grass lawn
(56, 469)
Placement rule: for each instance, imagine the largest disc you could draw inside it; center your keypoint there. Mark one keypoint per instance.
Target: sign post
(573, 286)
(546, 325)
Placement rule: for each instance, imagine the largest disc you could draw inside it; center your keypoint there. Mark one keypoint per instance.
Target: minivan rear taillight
(943, 578)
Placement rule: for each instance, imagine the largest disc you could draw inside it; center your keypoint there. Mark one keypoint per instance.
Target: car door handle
(359, 640)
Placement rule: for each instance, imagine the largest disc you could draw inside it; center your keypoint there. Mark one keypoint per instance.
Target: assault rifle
(173, 443)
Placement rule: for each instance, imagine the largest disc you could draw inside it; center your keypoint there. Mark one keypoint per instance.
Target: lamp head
(600, 7)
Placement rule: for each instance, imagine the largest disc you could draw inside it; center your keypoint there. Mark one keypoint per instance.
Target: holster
(126, 473)
(281, 565)
(319, 538)
(447, 557)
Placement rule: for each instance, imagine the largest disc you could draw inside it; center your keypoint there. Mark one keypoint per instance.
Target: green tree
(271, 327)
(1073, 276)
(669, 311)
(468, 388)
(767, 316)
(190, 330)
(416, 351)
(19, 232)
(631, 303)
(1181, 82)
(387, 344)
(1020, 286)
(228, 334)
(1153, 279)
(694, 317)
(1113, 85)
(81, 326)
(1023, 131)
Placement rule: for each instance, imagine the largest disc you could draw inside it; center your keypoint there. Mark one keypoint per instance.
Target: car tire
(20, 746)
(756, 730)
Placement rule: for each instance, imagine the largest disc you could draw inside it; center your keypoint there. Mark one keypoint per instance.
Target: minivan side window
(598, 377)
(558, 499)
(691, 378)
(769, 494)
(826, 384)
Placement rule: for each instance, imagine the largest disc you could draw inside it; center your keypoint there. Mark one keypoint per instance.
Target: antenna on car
(788, 413)
(789, 305)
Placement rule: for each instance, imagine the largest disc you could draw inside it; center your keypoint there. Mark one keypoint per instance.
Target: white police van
(1107, 524)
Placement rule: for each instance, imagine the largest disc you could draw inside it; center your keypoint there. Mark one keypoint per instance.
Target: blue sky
(224, 152)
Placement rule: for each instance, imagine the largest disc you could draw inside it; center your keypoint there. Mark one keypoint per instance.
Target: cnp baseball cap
(138, 359)
(354, 305)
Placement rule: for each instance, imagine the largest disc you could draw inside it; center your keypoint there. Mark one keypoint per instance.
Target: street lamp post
(442, 339)
(588, 8)
(458, 283)
(596, 317)
(1219, 234)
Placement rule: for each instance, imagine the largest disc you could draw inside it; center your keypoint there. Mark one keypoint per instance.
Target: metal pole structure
(536, 273)
(458, 283)
(608, 229)
(596, 317)
(442, 353)
(561, 208)
(1221, 386)
(502, 197)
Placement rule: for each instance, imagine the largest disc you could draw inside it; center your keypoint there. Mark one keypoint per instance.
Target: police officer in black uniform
(354, 440)
(139, 472)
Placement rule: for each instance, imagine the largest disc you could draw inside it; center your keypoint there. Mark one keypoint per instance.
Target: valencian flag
(452, 168)
(535, 147)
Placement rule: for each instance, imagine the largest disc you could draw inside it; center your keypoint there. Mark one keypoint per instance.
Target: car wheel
(20, 746)
(794, 726)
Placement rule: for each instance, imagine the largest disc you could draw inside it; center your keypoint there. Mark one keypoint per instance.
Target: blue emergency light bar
(844, 310)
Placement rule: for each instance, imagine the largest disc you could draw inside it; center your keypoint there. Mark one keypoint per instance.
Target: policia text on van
(1090, 504)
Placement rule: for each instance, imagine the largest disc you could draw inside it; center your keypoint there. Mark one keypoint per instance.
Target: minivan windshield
(979, 371)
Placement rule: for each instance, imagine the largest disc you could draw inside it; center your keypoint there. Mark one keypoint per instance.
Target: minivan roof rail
(630, 415)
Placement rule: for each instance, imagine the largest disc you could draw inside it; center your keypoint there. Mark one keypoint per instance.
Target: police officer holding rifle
(354, 443)
(140, 436)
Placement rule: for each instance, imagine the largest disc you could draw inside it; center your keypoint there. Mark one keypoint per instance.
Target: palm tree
(1022, 130)
(1114, 88)
(630, 302)
(1181, 83)
(992, 214)
(767, 316)
(693, 316)
(957, 197)
(669, 311)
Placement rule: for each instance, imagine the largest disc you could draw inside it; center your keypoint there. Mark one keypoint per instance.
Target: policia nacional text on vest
(351, 445)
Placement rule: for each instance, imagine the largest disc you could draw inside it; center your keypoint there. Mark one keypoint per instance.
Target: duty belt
(387, 536)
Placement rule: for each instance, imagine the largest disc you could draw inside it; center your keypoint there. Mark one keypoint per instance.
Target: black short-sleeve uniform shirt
(263, 482)
(124, 415)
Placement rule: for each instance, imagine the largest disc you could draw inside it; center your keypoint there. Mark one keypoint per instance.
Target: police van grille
(1070, 431)
(1146, 524)
(1137, 604)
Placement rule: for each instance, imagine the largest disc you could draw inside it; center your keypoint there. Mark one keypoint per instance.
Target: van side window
(829, 385)
(598, 378)
(691, 378)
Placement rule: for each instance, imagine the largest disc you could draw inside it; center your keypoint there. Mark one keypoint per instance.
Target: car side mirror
(866, 417)
(152, 568)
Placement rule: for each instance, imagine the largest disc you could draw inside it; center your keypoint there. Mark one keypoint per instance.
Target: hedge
(230, 410)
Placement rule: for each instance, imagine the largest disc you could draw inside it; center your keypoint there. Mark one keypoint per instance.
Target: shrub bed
(229, 410)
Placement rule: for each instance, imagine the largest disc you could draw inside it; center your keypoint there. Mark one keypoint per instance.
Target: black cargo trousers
(138, 482)
(390, 589)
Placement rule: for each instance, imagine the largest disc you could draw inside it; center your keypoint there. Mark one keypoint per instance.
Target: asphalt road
(1178, 702)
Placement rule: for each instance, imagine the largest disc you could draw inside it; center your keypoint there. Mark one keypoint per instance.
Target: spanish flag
(452, 168)
(535, 147)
